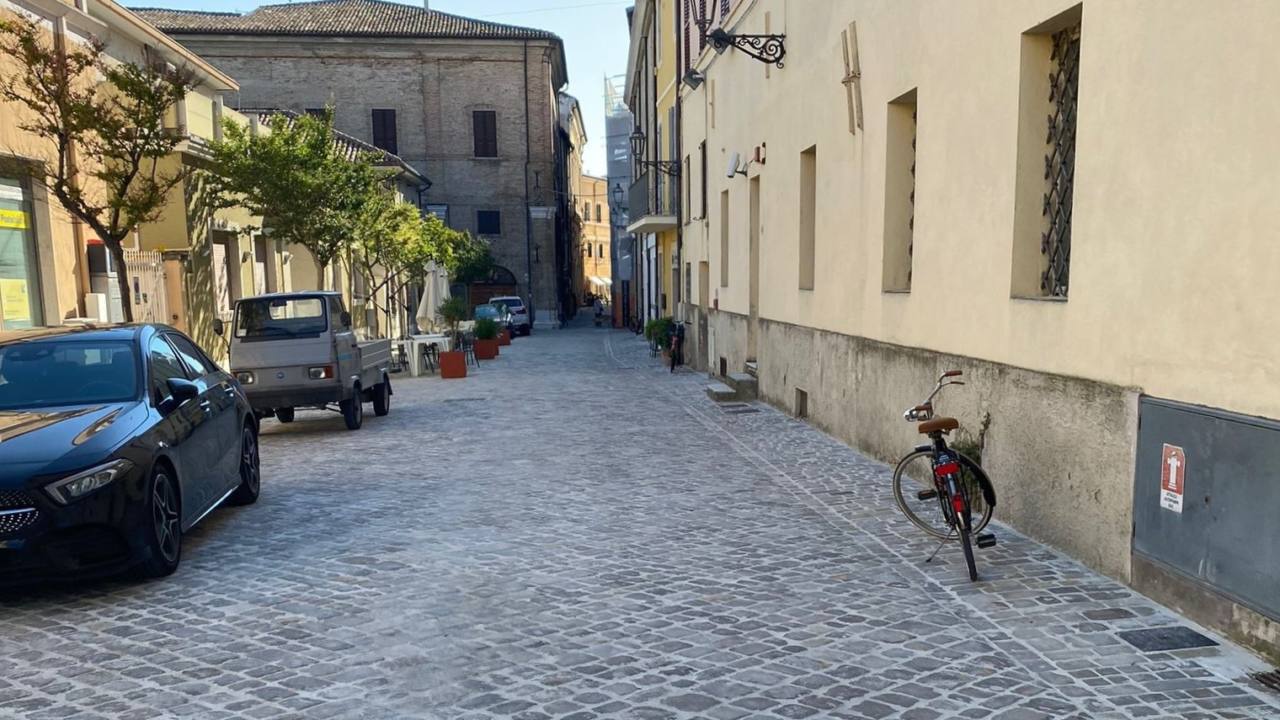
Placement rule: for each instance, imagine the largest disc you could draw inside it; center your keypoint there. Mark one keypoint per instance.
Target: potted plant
(453, 363)
(504, 336)
(486, 331)
(658, 333)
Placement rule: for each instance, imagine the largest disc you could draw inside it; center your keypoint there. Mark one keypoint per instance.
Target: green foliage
(110, 115)
(296, 178)
(659, 331)
(486, 329)
(453, 311)
(470, 261)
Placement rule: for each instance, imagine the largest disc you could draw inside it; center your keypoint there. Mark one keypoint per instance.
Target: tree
(297, 180)
(102, 123)
(470, 261)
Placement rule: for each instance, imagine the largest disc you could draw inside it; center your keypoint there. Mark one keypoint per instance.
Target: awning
(600, 282)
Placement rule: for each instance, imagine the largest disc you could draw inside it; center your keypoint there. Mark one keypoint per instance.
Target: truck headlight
(320, 373)
(77, 486)
(246, 378)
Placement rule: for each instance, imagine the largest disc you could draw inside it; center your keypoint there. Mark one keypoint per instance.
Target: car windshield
(492, 312)
(515, 304)
(280, 317)
(50, 373)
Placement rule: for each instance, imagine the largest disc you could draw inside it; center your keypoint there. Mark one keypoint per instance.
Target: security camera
(693, 79)
(733, 168)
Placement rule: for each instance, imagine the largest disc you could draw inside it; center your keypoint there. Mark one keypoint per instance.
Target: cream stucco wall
(1172, 256)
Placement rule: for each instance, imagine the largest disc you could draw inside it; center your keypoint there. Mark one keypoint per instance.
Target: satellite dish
(732, 170)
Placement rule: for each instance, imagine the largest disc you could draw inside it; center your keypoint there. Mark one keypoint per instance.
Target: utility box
(1207, 500)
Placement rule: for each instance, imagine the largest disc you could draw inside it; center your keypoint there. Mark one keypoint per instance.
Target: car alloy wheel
(165, 520)
(250, 469)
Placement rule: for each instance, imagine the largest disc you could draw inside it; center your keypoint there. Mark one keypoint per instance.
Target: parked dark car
(113, 443)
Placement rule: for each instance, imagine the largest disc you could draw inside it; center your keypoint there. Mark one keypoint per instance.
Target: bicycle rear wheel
(915, 473)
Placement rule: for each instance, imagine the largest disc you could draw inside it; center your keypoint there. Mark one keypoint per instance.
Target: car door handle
(230, 391)
(206, 406)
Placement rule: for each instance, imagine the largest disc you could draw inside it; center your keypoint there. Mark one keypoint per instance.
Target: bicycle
(956, 489)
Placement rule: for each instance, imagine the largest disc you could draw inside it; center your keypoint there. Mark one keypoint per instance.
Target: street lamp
(769, 49)
(617, 195)
(638, 144)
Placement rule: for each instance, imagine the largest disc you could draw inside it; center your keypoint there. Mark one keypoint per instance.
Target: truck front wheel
(353, 409)
(382, 397)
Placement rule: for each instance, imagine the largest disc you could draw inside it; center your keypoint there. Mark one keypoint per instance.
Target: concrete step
(744, 385)
(720, 392)
(752, 368)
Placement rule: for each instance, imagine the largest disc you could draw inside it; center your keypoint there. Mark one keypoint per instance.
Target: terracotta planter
(453, 364)
(504, 337)
(486, 349)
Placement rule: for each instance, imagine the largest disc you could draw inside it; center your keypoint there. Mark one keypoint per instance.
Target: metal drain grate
(1165, 639)
(1269, 680)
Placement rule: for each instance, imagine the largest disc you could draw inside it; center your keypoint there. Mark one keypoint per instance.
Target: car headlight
(245, 378)
(77, 486)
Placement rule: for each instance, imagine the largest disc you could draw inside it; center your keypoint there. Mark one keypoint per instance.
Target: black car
(113, 442)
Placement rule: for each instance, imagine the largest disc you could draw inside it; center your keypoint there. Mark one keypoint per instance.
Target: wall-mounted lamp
(617, 194)
(638, 144)
(770, 49)
(694, 79)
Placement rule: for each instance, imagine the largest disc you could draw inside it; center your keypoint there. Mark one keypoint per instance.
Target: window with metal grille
(384, 130)
(484, 125)
(900, 194)
(488, 222)
(1049, 91)
(1060, 160)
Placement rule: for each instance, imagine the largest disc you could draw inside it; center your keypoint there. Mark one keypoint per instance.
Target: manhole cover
(1166, 638)
(1268, 679)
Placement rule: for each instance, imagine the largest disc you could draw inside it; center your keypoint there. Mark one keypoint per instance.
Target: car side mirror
(219, 327)
(180, 391)
(345, 319)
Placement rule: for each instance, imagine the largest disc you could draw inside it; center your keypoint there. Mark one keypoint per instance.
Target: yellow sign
(15, 219)
(14, 301)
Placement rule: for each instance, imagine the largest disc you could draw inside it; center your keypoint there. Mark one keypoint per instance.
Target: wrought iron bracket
(768, 49)
(666, 167)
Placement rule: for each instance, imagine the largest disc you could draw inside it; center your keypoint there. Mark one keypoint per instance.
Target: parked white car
(520, 323)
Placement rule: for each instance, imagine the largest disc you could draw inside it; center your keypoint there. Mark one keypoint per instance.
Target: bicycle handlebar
(924, 410)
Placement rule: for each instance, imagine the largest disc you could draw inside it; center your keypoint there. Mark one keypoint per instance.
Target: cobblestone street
(571, 532)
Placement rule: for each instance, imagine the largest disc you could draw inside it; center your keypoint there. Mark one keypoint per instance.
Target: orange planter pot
(453, 364)
(486, 349)
(504, 337)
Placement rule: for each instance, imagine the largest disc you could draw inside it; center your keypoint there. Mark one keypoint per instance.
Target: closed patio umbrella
(435, 290)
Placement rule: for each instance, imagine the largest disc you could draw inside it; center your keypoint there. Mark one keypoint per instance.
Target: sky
(594, 32)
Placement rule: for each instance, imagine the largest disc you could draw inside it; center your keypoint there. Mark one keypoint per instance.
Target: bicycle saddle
(942, 424)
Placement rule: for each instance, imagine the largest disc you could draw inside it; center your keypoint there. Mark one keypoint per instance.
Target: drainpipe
(528, 212)
(679, 158)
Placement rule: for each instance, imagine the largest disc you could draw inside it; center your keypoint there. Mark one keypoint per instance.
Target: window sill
(485, 159)
(1051, 299)
(896, 291)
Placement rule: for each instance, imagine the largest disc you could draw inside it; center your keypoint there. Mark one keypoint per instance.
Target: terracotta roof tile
(337, 18)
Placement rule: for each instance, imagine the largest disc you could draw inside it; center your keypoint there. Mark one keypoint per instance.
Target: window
(336, 310)
(165, 366)
(484, 125)
(600, 250)
(587, 250)
(19, 288)
(191, 355)
(724, 238)
(384, 130)
(276, 318)
(702, 177)
(599, 213)
(488, 222)
(440, 211)
(808, 212)
(687, 181)
(900, 194)
(586, 211)
(49, 373)
(1046, 157)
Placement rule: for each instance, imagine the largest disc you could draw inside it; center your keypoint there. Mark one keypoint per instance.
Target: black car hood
(50, 441)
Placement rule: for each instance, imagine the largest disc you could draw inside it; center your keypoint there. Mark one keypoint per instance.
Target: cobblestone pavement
(574, 533)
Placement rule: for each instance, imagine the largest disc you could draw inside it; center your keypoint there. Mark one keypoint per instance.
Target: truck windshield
(280, 317)
(49, 373)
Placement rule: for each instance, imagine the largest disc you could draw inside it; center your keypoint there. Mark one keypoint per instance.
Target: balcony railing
(652, 202)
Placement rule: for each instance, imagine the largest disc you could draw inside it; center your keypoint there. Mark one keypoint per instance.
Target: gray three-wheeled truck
(298, 350)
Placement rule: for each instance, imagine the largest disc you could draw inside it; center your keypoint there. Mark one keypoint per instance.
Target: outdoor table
(413, 349)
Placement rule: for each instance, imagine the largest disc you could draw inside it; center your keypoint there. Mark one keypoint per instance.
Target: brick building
(473, 104)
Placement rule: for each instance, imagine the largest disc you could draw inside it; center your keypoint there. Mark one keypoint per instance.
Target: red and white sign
(1173, 477)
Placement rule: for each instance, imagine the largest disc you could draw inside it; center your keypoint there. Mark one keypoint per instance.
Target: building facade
(1074, 211)
(618, 125)
(597, 243)
(472, 104)
(52, 267)
(653, 206)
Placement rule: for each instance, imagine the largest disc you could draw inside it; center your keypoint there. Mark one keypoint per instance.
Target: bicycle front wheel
(932, 515)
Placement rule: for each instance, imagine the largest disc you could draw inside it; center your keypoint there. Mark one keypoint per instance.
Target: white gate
(146, 281)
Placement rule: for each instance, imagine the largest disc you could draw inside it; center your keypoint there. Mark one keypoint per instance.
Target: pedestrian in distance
(677, 345)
